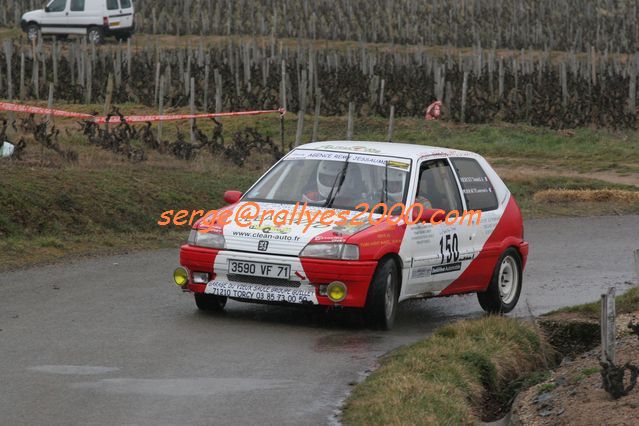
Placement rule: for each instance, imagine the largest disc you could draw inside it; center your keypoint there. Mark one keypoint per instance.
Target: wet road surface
(111, 341)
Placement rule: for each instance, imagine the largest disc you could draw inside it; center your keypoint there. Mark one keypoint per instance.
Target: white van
(96, 19)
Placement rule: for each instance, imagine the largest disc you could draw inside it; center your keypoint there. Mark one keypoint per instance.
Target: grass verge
(453, 376)
(625, 303)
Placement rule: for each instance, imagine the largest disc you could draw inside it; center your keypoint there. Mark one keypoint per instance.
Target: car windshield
(336, 179)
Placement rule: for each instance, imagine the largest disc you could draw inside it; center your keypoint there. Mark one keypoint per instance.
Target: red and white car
(372, 267)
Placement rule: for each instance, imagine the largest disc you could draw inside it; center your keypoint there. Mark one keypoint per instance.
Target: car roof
(411, 151)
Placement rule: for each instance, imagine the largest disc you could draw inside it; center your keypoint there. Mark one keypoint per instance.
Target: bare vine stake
(56, 57)
(607, 325)
(192, 109)
(205, 105)
(161, 108)
(283, 86)
(391, 123)
(50, 105)
(157, 82)
(318, 104)
(8, 53)
(108, 99)
(23, 89)
(463, 97)
(218, 90)
(349, 129)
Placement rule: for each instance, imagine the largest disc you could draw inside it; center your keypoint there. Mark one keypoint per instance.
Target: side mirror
(428, 215)
(46, 9)
(232, 197)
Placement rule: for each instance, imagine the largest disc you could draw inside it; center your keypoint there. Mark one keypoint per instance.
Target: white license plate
(259, 269)
(262, 292)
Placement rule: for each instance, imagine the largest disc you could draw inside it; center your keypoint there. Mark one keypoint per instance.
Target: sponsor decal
(443, 269)
(262, 245)
(271, 229)
(262, 292)
(420, 272)
(350, 148)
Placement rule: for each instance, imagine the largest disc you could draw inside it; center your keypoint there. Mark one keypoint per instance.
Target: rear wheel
(210, 302)
(383, 294)
(33, 32)
(505, 286)
(95, 35)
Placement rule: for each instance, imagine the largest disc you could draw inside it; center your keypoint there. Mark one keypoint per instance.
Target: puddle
(356, 343)
(183, 387)
(80, 370)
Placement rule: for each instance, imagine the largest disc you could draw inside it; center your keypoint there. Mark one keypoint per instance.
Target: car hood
(32, 15)
(289, 231)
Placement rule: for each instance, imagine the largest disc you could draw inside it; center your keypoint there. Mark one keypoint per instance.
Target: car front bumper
(306, 273)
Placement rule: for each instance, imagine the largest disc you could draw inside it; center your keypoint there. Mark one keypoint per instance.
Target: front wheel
(505, 286)
(33, 31)
(95, 35)
(383, 294)
(209, 302)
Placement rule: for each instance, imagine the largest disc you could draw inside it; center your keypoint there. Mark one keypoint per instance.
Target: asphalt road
(112, 341)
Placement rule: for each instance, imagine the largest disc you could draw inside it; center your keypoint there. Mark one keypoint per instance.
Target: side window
(125, 4)
(77, 5)
(437, 187)
(478, 191)
(57, 5)
(112, 5)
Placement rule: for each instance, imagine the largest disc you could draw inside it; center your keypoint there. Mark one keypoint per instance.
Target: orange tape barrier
(6, 106)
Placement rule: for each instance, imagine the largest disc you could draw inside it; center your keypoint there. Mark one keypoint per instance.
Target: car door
(55, 18)
(437, 253)
(81, 16)
(480, 195)
(120, 14)
(126, 12)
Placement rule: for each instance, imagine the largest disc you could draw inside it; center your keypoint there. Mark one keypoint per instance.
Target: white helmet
(395, 184)
(327, 172)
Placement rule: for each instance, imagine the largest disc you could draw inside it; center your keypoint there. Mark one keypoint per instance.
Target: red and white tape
(6, 106)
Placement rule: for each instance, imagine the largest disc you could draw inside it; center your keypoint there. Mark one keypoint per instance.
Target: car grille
(276, 282)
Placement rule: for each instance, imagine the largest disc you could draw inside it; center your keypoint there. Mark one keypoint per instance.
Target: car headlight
(337, 251)
(205, 239)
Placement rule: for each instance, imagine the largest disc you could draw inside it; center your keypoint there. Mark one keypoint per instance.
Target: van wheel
(33, 31)
(383, 294)
(209, 302)
(95, 35)
(505, 286)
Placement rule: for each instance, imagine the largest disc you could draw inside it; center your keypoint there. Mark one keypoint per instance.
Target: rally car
(371, 264)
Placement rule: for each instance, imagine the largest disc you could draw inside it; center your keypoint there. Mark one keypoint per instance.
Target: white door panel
(55, 20)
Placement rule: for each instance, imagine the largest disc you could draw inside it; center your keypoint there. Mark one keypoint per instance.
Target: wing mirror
(46, 9)
(232, 197)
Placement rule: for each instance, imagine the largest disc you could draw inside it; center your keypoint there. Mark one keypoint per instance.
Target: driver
(326, 178)
(422, 191)
(395, 186)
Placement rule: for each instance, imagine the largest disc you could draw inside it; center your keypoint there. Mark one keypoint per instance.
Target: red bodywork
(376, 243)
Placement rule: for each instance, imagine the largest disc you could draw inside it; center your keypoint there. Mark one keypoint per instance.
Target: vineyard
(480, 86)
(514, 24)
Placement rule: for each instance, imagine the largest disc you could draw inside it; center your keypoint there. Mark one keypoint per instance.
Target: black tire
(383, 294)
(504, 289)
(209, 302)
(33, 31)
(95, 35)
